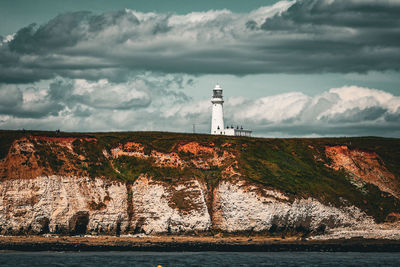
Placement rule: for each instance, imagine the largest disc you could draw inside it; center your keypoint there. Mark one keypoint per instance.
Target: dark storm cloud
(300, 37)
(348, 13)
(355, 115)
(394, 117)
(340, 35)
(66, 30)
(12, 103)
(10, 96)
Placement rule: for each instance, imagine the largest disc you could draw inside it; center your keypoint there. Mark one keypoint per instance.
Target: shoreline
(193, 244)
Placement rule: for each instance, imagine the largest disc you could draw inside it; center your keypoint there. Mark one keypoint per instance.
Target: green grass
(131, 168)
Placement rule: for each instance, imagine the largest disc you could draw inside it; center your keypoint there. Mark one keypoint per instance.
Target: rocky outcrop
(163, 208)
(73, 205)
(363, 167)
(242, 207)
(76, 205)
(59, 204)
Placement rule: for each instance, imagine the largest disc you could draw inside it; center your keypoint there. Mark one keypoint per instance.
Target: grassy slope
(289, 165)
(286, 164)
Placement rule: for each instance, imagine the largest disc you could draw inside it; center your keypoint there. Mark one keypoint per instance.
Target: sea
(102, 259)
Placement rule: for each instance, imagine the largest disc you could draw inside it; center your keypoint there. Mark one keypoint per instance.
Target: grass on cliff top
(285, 164)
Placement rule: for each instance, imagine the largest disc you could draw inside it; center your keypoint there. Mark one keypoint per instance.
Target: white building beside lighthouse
(217, 117)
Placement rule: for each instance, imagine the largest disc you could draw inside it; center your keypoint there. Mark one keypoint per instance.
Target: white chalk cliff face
(178, 208)
(58, 204)
(241, 207)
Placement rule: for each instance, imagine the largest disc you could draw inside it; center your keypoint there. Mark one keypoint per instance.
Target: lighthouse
(217, 118)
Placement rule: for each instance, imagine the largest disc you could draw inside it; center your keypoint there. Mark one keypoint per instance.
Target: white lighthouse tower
(217, 119)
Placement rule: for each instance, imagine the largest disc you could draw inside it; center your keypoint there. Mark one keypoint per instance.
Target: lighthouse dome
(217, 92)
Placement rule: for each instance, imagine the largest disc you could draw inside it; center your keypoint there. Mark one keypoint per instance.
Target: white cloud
(103, 94)
(273, 108)
(32, 94)
(159, 103)
(349, 110)
(354, 97)
(261, 14)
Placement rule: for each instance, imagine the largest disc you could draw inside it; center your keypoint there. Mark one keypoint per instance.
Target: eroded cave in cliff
(78, 223)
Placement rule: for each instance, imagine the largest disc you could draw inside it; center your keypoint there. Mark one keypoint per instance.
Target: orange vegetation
(129, 149)
(230, 171)
(26, 158)
(167, 159)
(132, 146)
(363, 167)
(195, 148)
(206, 156)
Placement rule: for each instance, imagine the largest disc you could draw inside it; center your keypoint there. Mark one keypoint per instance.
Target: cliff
(155, 183)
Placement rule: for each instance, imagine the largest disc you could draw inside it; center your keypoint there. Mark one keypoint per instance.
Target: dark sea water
(101, 259)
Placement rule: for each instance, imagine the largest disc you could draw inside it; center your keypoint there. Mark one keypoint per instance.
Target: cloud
(272, 109)
(159, 103)
(26, 104)
(10, 96)
(78, 98)
(349, 110)
(288, 37)
(99, 95)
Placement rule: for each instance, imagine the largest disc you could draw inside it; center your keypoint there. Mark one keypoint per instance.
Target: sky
(302, 68)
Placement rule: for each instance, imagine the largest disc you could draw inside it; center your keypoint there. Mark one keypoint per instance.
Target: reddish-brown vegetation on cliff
(363, 167)
(184, 155)
(195, 148)
(33, 156)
